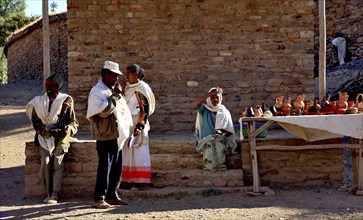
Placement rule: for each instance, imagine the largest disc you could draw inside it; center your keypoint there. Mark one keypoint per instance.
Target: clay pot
(257, 111)
(351, 104)
(341, 111)
(342, 104)
(352, 110)
(299, 102)
(325, 103)
(343, 96)
(359, 104)
(279, 102)
(332, 107)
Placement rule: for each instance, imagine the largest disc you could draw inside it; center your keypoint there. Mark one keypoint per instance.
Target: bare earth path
(15, 130)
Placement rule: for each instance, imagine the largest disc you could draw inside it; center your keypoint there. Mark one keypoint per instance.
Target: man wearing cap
(110, 120)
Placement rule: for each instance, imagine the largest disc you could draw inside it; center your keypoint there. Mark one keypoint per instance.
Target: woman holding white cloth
(140, 99)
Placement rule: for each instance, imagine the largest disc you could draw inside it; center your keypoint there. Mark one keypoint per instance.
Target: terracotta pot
(343, 96)
(351, 104)
(359, 104)
(279, 102)
(352, 110)
(341, 104)
(341, 111)
(332, 106)
(299, 102)
(285, 111)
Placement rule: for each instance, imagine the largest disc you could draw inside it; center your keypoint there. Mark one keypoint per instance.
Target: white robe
(41, 105)
(98, 101)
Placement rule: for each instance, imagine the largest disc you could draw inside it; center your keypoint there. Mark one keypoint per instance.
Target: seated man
(214, 130)
(53, 118)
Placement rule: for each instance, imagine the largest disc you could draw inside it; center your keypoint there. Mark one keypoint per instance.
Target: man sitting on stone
(53, 118)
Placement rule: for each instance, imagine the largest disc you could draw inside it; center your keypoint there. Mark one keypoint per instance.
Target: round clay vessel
(342, 104)
(352, 110)
(341, 111)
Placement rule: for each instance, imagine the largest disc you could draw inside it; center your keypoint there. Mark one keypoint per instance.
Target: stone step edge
(179, 192)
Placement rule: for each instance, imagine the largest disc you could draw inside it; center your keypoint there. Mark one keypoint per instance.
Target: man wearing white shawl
(136, 169)
(214, 130)
(53, 118)
(110, 120)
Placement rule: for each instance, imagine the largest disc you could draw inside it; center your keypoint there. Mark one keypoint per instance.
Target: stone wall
(255, 50)
(295, 168)
(24, 49)
(302, 168)
(341, 17)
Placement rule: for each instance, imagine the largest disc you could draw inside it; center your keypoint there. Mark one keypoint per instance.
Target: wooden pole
(360, 168)
(322, 50)
(46, 56)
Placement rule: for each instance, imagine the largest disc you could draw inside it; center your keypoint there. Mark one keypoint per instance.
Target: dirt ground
(286, 204)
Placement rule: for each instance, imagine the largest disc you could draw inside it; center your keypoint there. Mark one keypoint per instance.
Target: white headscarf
(223, 116)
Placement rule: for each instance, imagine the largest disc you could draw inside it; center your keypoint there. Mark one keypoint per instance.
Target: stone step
(197, 178)
(185, 143)
(172, 147)
(180, 192)
(188, 161)
(176, 161)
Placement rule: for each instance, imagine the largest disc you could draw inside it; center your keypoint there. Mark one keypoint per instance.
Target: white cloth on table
(320, 127)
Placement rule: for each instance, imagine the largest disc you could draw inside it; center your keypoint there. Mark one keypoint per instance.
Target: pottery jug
(299, 102)
(325, 102)
(286, 107)
(257, 111)
(250, 112)
(359, 103)
(279, 103)
(343, 100)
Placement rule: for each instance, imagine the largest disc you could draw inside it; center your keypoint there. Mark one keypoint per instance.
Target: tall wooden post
(46, 56)
(322, 50)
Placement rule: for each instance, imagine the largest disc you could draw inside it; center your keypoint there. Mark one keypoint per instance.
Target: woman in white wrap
(214, 130)
(136, 167)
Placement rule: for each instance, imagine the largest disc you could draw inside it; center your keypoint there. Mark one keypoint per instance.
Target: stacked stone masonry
(175, 163)
(255, 50)
(341, 17)
(24, 49)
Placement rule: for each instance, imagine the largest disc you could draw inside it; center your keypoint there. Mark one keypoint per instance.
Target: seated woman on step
(214, 130)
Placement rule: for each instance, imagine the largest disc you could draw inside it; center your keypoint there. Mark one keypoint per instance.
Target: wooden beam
(322, 50)
(46, 56)
(308, 147)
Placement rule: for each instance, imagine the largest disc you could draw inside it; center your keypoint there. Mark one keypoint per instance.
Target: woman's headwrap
(134, 68)
(223, 117)
(141, 74)
(209, 101)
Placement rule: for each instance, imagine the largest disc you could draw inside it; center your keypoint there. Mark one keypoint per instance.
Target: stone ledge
(312, 167)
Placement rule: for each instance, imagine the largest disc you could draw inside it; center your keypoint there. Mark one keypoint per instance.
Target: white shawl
(145, 89)
(133, 105)
(223, 118)
(41, 105)
(98, 101)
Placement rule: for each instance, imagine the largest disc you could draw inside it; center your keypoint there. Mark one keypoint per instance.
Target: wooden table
(252, 134)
